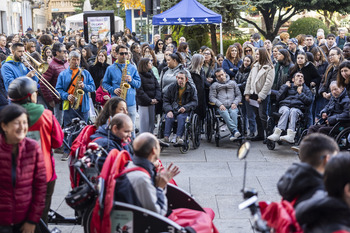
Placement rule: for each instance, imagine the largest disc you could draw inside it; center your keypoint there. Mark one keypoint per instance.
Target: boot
(276, 135)
(289, 137)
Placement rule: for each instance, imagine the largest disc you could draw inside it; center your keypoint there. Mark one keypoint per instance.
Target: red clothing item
(50, 136)
(25, 201)
(99, 96)
(51, 75)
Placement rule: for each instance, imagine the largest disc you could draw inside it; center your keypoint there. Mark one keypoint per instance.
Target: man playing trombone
(74, 84)
(13, 66)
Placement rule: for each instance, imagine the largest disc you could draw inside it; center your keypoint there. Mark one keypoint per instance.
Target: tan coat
(260, 80)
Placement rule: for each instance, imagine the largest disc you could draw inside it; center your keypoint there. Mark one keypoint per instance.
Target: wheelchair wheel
(217, 140)
(186, 146)
(209, 126)
(342, 139)
(87, 216)
(270, 144)
(161, 128)
(196, 131)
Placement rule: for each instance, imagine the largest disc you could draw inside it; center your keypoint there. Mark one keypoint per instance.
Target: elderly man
(145, 187)
(68, 81)
(178, 102)
(156, 37)
(225, 94)
(3, 48)
(111, 58)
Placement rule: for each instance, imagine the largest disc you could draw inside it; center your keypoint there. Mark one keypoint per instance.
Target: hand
(324, 115)
(106, 97)
(52, 104)
(300, 89)
(247, 98)
(259, 101)
(231, 69)
(117, 91)
(31, 74)
(288, 84)
(328, 96)
(81, 84)
(71, 98)
(233, 106)
(210, 80)
(165, 175)
(312, 84)
(182, 110)
(128, 78)
(154, 101)
(28, 228)
(170, 114)
(222, 107)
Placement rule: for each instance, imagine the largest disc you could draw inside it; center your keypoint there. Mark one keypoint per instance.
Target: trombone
(42, 67)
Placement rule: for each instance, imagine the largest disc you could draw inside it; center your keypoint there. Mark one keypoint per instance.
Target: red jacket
(99, 95)
(25, 201)
(51, 75)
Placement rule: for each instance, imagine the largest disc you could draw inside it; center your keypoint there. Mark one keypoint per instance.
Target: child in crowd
(102, 95)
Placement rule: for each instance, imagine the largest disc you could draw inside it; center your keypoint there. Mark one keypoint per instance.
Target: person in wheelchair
(293, 98)
(225, 94)
(115, 135)
(145, 187)
(178, 101)
(336, 109)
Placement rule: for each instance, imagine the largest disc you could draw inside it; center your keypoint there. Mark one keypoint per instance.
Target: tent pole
(221, 45)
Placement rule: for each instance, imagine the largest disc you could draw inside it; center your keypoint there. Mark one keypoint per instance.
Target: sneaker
(65, 156)
(179, 141)
(250, 135)
(165, 139)
(232, 137)
(237, 133)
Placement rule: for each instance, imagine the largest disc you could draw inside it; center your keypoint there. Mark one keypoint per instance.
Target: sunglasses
(160, 43)
(248, 50)
(206, 54)
(122, 54)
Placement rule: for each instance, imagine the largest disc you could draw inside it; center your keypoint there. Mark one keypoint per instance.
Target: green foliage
(227, 43)
(199, 33)
(193, 44)
(306, 26)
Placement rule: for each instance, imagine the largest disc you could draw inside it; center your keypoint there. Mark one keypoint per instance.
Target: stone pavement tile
(208, 201)
(233, 225)
(269, 184)
(219, 169)
(259, 168)
(221, 185)
(173, 154)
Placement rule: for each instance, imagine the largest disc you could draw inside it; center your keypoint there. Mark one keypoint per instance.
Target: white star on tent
(206, 20)
(193, 20)
(179, 19)
(164, 20)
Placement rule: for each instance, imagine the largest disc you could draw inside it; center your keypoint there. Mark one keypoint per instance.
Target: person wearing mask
(23, 174)
(23, 91)
(148, 95)
(241, 80)
(68, 81)
(13, 67)
(258, 88)
(113, 78)
(93, 44)
(57, 65)
(329, 210)
(232, 62)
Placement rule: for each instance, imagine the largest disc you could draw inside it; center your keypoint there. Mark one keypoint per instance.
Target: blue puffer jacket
(109, 141)
(113, 77)
(337, 108)
(227, 65)
(63, 81)
(3, 95)
(13, 69)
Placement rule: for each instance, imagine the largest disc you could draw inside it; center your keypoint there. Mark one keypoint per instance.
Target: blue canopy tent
(189, 12)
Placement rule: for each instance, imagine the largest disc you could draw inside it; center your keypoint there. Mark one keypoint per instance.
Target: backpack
(280, 216)
(78, 149)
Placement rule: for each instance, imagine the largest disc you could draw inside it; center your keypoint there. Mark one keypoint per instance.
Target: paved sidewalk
(214, 176)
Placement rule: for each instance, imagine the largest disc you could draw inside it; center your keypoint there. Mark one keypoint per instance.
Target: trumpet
(42, 68)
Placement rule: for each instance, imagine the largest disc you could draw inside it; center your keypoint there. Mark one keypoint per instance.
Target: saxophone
(124, 86)
(78, 92)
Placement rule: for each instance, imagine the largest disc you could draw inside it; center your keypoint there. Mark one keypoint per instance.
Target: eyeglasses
(160, 44)
(32, 46)
(122, 54)
(248, 50)
(206, 54)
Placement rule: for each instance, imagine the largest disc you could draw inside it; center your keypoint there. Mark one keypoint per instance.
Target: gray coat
(226, 94)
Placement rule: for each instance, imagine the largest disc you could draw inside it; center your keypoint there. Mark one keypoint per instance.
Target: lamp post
(118, 5)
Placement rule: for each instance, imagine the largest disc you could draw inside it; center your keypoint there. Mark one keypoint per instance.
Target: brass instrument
(42, 68)
(124, 86)
(78, 92)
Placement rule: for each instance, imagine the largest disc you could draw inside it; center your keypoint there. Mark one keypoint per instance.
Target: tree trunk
(214, 43)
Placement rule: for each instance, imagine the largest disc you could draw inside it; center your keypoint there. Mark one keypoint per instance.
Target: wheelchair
(213, 123)
(192, 132)
(341, 133)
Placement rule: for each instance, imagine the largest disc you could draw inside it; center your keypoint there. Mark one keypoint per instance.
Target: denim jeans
(68, 116)
(230, 118)
(248, 114)
(169, 122)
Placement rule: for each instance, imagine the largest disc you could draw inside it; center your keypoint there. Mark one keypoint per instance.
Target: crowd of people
(303, 76)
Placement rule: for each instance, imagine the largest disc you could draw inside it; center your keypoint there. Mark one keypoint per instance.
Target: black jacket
(309, 50)
(310, 74)
(202, 103)
(241, 78)
(323, 214)
(337, 108)
(93, 49)
(289, 96)
(326, 80)
(97, 72)
(294, 56)
(171, 101)
(300, 182)
(3, 93)
(149, 89)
